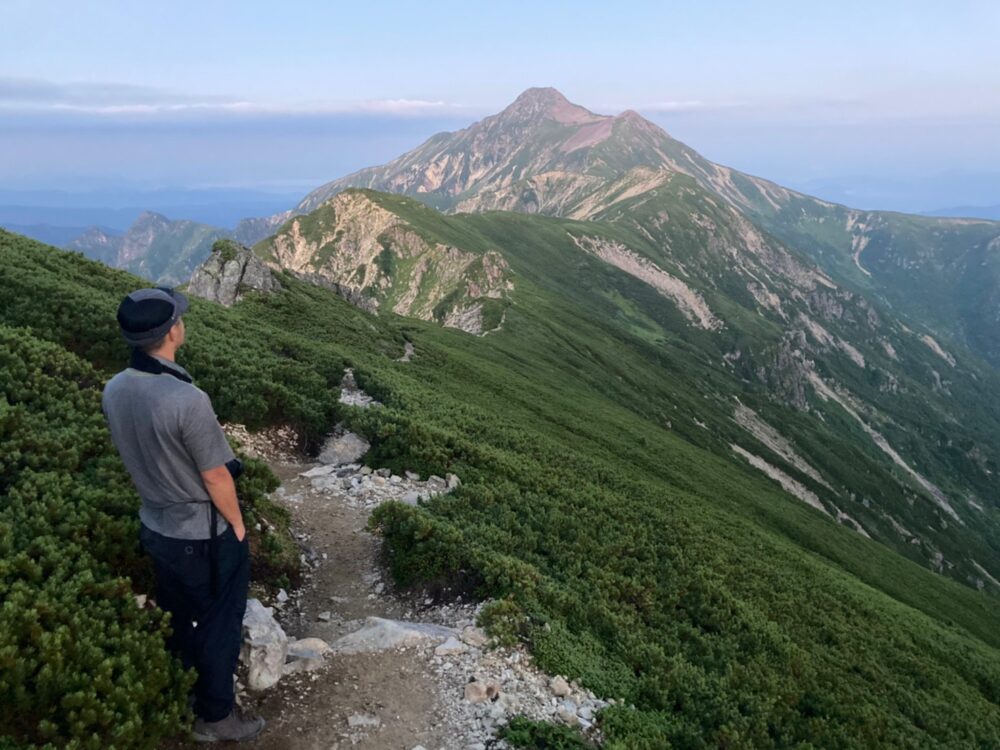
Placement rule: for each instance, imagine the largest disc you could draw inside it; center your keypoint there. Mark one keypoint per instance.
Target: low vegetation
(619, 541)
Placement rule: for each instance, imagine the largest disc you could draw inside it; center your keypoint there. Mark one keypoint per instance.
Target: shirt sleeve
(202, 435)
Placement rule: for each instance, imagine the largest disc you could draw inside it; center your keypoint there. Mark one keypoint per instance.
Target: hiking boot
(234, 728)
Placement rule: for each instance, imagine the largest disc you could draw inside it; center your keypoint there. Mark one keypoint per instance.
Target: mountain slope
(154, 247)
(543, 154)
(864, 419)
(623, 540)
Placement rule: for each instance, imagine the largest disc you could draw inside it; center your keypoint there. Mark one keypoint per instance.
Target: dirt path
(434, 695)
(397, 688)
(311, 710)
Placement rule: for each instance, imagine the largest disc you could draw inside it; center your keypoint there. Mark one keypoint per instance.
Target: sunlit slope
(544, 154)
(635, 551)
(936, 271)
(767, 360)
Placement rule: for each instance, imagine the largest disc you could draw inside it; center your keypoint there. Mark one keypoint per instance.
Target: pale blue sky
(292, 94)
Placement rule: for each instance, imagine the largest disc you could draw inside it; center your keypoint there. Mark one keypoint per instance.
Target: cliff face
(229, 273)
(378, 261)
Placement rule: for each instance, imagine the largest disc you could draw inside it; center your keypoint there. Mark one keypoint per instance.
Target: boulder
(265, 646)
(379, 634)
(343, 449)
(305, 655)
(559, 687)
(451, 647)
(474, 636)
(318, 471)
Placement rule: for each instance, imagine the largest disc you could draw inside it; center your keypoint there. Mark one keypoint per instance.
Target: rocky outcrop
(376, 260)
(265, 646)
(229, 273)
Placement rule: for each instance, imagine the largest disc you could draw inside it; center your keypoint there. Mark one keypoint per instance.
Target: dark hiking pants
(207, 630)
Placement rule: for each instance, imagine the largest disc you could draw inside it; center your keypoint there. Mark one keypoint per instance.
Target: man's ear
(175, 334)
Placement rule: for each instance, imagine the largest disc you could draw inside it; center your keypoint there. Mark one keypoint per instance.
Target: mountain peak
(547, 103)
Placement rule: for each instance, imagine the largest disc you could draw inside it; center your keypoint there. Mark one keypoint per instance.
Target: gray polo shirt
(167, 434)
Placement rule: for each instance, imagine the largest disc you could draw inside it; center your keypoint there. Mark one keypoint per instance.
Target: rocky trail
(390, 669)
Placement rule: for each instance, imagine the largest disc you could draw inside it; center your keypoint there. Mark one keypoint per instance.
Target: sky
(899, 99)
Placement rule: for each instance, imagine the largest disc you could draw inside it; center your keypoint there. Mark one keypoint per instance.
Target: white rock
(346, 449)
(567, 716)
(308, 648)
(410, 498)
(363, 721)
(265, 646)
(412, 476)
(318, 471)
(474, 636)
(324, 616)
(379, 634)
(282, 596)
(453, 481)
(559, 686)
(451, 647)
(475, 692)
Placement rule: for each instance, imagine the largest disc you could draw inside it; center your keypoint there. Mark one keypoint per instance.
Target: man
(170, 441)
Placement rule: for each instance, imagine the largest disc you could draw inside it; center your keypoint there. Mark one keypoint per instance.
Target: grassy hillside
(940, 272)
(618, 539)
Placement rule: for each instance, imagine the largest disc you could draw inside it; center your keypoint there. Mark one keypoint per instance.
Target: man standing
(176, 453)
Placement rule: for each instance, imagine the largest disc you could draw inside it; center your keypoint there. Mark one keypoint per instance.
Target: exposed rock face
(689, 302)
(541, 154)
(376, 260)
(229, 273)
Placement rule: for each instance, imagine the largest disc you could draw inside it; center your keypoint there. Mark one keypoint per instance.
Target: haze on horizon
(889, 105)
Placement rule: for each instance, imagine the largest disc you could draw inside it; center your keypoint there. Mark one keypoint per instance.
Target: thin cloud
(38, 97)
(676, 106)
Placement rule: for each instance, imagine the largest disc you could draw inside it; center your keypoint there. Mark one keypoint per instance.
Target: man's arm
(209, 451)
(222, 489)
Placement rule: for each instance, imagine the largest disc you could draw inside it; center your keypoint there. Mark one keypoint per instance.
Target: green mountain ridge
(817, 378)
(543, 154)
(154, 247)
(601, 507)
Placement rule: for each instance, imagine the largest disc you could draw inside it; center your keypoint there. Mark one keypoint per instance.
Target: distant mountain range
(974, 212)
(162, 249)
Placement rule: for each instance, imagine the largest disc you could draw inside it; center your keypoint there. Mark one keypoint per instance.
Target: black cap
(146, 315)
